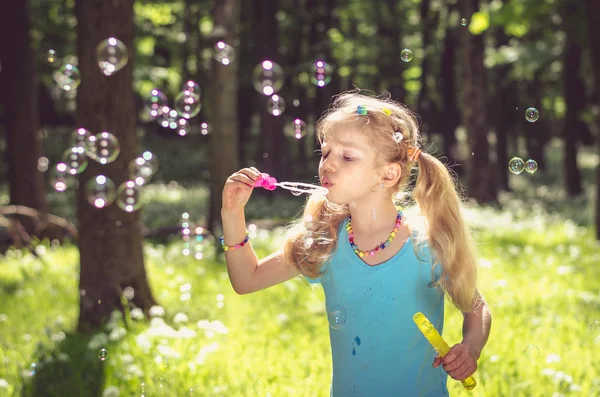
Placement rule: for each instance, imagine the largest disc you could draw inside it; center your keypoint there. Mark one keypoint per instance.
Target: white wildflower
(111, 391)
(97, 341)
(157, 311)
(180, 318)
(137, 313)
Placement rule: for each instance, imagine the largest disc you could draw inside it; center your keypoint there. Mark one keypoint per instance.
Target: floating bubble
(156, 102)
(336, 317)
(268, 77)
(128, 293)
(67, 77)
(224, 53)
(51, 56)
(275, 105)
(105, 148)
(76, 160)
(183, 127)
(204, 128)
(100, 191)
(128, 196)
(142, 168)
(32, 369)
(168, 118)
(82, 137)
(296, 129)
(260, 388)
(532, 115)
(43, 164)
(102, 354)
(187, 104)
(59, 179)
(463, 21)
(406, 55)
(308, 242)
(321, 73)
(531, 166)
(112, 55)
(595, 327)
(192, 87)
(531, 352)
(516, 165)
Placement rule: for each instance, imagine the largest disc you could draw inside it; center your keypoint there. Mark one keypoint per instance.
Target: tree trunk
(449, 112)
(18, 90)
(481, 183)
(223, 87)
(593, 17)
(110, 242)
(273, 143)
(572, 61)
(426, 108)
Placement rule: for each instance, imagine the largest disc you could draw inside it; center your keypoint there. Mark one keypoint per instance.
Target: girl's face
(347, 166)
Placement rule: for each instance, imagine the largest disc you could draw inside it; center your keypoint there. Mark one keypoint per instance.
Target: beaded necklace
(381, 246)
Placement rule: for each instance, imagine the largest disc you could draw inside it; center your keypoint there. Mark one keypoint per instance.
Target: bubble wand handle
(438, 343)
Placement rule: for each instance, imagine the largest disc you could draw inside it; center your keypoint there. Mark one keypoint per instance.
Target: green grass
(538, 273)
(541, 285)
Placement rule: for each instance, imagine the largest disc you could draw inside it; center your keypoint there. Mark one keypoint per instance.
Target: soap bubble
(336, 316)
(168, 118)
(102, 354)
(59, 179)
(191, 87)
(128, 196)
(183, 127)
(406, 55)
(296, 129)
(105, 148)
(204, 128)
(100, 191)
(531, 166)
(516, 165)
(321, 73)
(531, 352)
(532, 115)
(67, 77)
(187, 104)
(112, 55)
(275, 105)
(143, 168)
(43, 163)
(224, 53)
(595, 327)
(463, 22)
(156, 102)
(268, 77)
(51, 56)
(82, 137)
(76, 160)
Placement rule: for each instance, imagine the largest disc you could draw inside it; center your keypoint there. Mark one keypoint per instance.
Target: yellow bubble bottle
(438, 343)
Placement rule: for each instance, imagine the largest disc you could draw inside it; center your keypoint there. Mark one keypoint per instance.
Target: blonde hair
(435, 194)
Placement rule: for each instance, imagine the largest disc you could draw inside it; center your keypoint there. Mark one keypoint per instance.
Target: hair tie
(414, 153)
(361, 109)
(387, 111)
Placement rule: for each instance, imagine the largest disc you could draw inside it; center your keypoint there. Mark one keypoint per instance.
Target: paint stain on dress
(357, 343)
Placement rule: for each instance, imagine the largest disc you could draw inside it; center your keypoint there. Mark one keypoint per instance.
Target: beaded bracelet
(232, 247)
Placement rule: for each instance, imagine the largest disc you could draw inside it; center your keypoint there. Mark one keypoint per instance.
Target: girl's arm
(477, 325)
(246, 273)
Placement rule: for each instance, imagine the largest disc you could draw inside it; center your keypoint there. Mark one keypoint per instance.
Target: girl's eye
(348, 158)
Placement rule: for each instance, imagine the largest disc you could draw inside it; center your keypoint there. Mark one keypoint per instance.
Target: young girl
(377, 266)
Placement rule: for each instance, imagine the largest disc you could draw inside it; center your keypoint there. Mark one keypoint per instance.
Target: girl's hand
(238, 189)
(459, 363)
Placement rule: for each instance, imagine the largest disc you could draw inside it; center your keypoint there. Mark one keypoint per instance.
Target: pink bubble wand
(268, 182)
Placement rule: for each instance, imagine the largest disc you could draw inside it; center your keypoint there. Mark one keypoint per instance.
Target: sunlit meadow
(538, 271)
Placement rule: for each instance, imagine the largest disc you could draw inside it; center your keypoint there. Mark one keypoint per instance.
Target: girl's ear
(393, 172)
